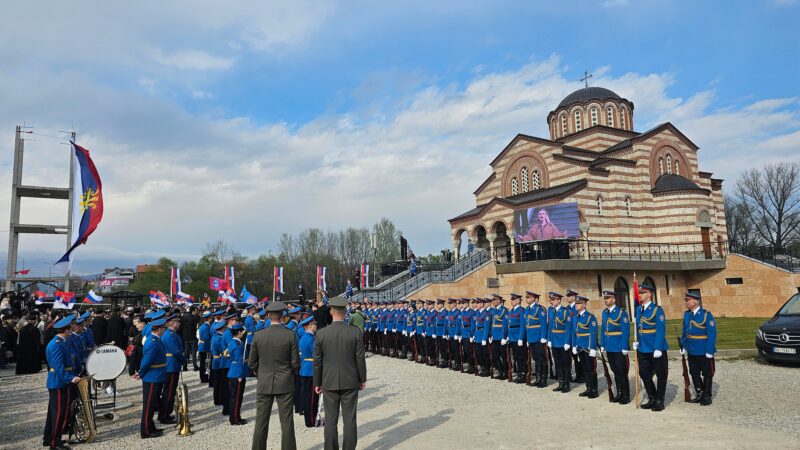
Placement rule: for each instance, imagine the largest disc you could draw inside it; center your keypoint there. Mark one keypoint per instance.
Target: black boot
(699, 395)
(658, 405)
(707, 391)
(593, 390)
(542, 377)
(586, 391)
(560, 379)
(567, 387)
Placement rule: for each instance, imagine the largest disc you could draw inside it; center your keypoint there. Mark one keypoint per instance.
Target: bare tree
(771, 197)
(742, 235)
(387, 239)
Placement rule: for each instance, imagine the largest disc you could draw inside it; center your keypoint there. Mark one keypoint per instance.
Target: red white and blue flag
(321, 283)
(364, 276)
(63, 300)
(39, 296)
(159, 299)
(174, 281)
(246, 297)
(184, 298)
(87, 203)
(217, 284)
(226, 296)
(277, 280)
(91, 297)
(230, 278)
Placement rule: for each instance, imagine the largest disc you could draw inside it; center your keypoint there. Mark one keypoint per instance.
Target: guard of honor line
(530, 343)
(525, 344)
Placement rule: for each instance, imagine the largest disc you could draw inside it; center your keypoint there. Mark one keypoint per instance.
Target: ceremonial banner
(91, 297)
(87, 203)
(247, 297)
(229, 277)
(364, 276)
(277, 280)
(185, 298)
(175, 281)
(63, 300)
(39, 296)
(321, 283)
(217, 284)
(546, 222)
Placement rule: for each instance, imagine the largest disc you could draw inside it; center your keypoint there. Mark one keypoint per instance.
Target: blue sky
(243, 121)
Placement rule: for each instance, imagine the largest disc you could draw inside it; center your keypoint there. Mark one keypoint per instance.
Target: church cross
(586, 76)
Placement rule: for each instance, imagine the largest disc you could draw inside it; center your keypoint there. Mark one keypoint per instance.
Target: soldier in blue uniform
(409, 319)
(175, 360)
(250, 328)
(559, 340)
(237, 374)
(651, 346)
(571, 295)
(419, 331)
(535, 334)
(308, 398)
(452, 334)
(482, 318)
(439, 332)
(372, 325)
(204, 343)
(152, 372)
(615, 332)
(466, 330)
(294, 317)
(60, 379)
(584, 338)
(516, 333)
(430, 333)
(498, 336)
(219, 365)
(391, 327)
(699, 340)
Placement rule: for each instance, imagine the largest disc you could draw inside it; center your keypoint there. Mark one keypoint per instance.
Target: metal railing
(427, 275)
(784, 258)
(574, 249)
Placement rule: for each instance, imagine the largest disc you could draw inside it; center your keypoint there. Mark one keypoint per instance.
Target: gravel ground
(412, 406)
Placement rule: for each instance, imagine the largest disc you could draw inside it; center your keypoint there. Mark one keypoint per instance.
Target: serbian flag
(321, 284)
(247, 297)
(39, 296)
(158, 298)
(636, 301)
(277, 280)
(224, 297)
(217, 284)
(174, 281)
(185, 298)
(364, 276)
(87, 203)
(91, 297)
(22, 272)
(230, 278)
(63, 300)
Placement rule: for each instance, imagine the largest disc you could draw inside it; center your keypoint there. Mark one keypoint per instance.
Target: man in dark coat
(29, 348)
(322, 315)
(189, 323)
(117, 329)
(99, 327)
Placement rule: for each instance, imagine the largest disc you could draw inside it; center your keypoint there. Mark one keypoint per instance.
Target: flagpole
(274, 283)
(72, 194)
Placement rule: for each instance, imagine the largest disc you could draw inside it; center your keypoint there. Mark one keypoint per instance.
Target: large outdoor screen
(544, 223)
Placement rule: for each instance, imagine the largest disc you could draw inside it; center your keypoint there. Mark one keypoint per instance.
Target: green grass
(732, 332)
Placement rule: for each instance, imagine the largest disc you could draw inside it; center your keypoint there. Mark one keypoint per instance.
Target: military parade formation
(530, 343)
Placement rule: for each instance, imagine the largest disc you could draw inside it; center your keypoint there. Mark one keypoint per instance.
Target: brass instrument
(183, 426)
(83, 425)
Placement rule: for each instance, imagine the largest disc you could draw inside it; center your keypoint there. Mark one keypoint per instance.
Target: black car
(778, 339)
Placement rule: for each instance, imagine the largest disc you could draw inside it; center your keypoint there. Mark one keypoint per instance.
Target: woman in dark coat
(29, 348)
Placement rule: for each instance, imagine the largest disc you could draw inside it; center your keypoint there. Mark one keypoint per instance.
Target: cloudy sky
(240, 121)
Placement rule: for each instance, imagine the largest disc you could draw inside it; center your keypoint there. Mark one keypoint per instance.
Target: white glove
(574, 350)
(683, 351)
(424, 334)
(459, 338)
(657, 354)
(566, 346)
(503, 341)
(709, 355)
(472, 339)
(550, 344)
(543, 340)
(602, 349)
(519, 343)
(624, 352)
(394, 330)
(490, 339)
(635, 345)
(434, 336)
(385, 332)
(592, 353)
(483, 343)
(447, 338)
(413, 333)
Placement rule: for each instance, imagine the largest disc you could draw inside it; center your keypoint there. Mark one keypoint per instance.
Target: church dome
(675, 183)
(583, 95)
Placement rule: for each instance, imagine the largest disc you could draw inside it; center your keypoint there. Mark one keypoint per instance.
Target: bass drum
(106, 362)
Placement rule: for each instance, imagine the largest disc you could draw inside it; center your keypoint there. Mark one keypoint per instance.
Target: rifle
(608, 377)
(491, 361)
(548, 355)
(687, 396)
(474, 357)
(461, 354)
(508, 358)
(528, 377)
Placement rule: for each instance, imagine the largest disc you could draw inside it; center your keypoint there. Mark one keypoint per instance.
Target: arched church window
(669, 164)
(661, 166)
(594, 116)
(622, 118)
(537, 181)
(577, 120)
(514, 186)
(677, 167)
(628, 206)
(610, 116)
(563, 124)
(524, 176)
(599, 205)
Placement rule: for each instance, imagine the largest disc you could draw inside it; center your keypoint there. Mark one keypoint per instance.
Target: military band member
(439, 332)
(651, 346)
(498, 336)
(175, 360)
(237, 374)
(453, 334)
(250, 328)
(515, 338)
(204, 343)
(482, 318)
(294, 317)
(584, 338)
(559, 340)
(308, 397)
(466, 333)
(615, 331)
(430, 332)
(699, 340)
(383, 328)
(535, 333)
(60, 379)
(219, 365)
(419, 331)
(410, 319)
(152, 372)
(368, 325)
(394, 316)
